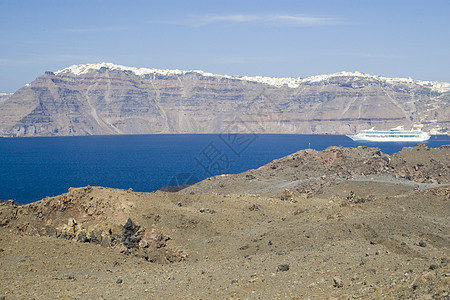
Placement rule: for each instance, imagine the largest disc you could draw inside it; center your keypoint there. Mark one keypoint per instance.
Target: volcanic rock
(99, 99)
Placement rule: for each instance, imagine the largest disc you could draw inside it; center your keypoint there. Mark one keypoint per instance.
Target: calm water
(33, 168)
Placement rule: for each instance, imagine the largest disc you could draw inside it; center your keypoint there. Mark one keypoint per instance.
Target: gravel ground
(366, 239)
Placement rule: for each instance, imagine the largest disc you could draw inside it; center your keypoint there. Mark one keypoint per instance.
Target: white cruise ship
(397, 134)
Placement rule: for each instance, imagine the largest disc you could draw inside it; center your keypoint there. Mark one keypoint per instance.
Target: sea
(34, 168)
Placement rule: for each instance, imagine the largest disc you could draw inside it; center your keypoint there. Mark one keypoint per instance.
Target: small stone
(71, 222)
(106, 242)
(207, 210)
(71, 277)
(143, 243)
(434, 267)
(82, 237)
(234, 281)
(95, 236)
(254, 207)
(245, 247)
(249, 177)
(287, 195)
(422, 244)
(283, 268)
(119, 281)
(338, 282)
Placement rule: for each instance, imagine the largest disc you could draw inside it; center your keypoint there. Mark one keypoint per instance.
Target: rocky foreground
(339, 223)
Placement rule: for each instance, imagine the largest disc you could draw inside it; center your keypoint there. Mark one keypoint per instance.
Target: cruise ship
(397, 134)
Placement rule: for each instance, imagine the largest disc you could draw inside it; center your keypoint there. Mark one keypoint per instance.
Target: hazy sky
(244, 37)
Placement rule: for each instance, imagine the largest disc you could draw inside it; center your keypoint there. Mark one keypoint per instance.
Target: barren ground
(384, 234)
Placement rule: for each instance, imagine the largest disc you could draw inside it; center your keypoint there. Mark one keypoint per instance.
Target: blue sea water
(33, 168)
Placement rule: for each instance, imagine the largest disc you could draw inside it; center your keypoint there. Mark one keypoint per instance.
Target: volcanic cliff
(105, 98)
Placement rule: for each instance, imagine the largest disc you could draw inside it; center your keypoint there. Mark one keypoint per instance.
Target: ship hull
(389, 139)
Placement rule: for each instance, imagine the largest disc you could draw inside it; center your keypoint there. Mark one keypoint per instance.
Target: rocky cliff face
(110, 99)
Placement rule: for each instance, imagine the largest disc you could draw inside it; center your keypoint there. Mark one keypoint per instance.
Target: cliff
(109, 99)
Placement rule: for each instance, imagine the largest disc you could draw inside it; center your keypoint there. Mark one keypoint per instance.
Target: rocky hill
(110, 99)
(309, 172)
(384, 234)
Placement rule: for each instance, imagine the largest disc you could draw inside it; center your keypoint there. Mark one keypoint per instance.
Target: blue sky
(281, 38)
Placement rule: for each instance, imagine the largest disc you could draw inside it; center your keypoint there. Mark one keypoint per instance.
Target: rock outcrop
(91, 215)
(108, 99)
(310, 171)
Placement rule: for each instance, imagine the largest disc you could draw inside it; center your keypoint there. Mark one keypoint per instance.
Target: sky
(283, 38)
